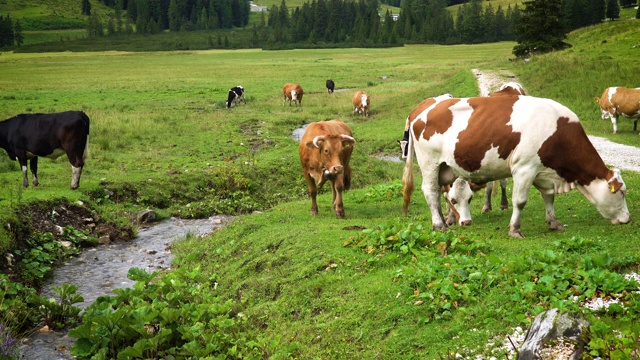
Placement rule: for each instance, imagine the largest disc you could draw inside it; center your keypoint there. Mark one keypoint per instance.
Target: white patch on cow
(364, 100)
(75, 179)
(294, 95)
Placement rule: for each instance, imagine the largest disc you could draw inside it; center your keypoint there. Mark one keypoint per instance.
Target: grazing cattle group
(26, 137)
(616, 101)
(361, 103)
(538, 142)
(325, 151)
(292, 92)
(460, 144)
(236, 94)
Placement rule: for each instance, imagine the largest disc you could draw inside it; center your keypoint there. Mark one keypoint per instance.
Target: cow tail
(85, 154)
(407, 178)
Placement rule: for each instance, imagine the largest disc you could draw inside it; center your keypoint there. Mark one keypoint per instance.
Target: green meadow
(372, 285)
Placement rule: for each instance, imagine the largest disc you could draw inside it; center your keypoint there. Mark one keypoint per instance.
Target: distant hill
(49, 14)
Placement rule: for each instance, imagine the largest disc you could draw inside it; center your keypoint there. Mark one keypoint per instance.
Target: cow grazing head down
(292, 93)
(536, 141)
(458, 196)
(325, 151)
(361, 103)
(26, 137)
(330, 86)
(236, 94)
(616, 101)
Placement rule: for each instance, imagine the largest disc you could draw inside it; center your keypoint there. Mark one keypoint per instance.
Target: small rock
(104, 240)
(146, 216)
(554, 326)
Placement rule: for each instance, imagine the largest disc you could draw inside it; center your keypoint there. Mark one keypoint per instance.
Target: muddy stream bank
(100, 270)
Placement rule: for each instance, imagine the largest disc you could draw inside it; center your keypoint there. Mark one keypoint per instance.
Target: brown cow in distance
(325, 151)
(361, 103)
(616, 101)
(292, 92)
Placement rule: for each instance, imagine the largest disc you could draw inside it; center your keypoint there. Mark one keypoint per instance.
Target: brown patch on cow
(487, 128)
(418, 127)
(439, 119)
(570, 153)
(614, 184)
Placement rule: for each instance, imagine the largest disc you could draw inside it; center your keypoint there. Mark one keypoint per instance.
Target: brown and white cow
(616, 101)
(325, 151)
(361, 103)
(538, 142)
(26, 137)
(292, 92)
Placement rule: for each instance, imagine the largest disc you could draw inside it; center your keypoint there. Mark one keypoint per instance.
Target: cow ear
(310, 145)
(615, 181)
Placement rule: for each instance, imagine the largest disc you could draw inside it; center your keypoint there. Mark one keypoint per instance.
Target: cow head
(294, 95)
(330, 148)
(608, 195)
(459, 197)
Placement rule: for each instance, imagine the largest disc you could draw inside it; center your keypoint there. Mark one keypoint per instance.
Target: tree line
(10, 32)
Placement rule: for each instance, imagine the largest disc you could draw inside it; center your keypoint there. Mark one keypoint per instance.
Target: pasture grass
(161, 137)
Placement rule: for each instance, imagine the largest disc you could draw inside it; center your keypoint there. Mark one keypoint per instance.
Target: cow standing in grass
(325, 151)
(26, 137)
(293, 93)
(330, 86)
(538, 142)
(361, 103)
(236, 94)
(616, 101)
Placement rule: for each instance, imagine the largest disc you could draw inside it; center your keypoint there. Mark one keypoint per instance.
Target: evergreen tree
(638, 11)
(86, 7)
(94, 26)
(540, 29)
(17, 33)
(6, 31)
(118, 14)
(613, 9)
(627, 3)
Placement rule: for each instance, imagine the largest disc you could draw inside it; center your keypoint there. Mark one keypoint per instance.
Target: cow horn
(316, 139)
(347, 137)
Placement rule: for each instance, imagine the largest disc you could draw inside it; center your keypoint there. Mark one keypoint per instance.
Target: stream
(100, 270)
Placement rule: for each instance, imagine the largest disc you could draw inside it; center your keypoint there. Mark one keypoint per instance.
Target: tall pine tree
(540, 29)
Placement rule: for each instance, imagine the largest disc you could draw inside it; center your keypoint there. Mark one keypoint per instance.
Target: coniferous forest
(331, 23)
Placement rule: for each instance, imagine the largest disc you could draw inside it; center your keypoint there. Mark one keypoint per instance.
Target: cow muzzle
(335, 170)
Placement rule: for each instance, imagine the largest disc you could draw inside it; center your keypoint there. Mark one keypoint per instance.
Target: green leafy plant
(61, 314)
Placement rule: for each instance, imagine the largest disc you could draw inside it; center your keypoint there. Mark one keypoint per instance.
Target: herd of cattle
(460, 144)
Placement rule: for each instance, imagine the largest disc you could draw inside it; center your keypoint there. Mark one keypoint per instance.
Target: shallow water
(100, 270)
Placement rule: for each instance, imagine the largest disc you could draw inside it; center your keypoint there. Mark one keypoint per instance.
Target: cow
(26, 137)
(361, 103)
(535, 141)
(325, 151)
(330, 86)
(236, 94)
(292, 92)
(616, 101)
(510, 88)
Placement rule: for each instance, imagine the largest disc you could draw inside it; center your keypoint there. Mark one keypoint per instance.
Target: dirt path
(617, 155)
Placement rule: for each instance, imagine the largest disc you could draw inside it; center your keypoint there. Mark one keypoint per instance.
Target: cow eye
(453, 201)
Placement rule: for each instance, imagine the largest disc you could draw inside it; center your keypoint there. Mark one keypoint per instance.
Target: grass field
(160, 130)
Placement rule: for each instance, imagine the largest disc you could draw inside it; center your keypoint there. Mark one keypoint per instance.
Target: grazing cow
(616, 101)
(330, 86)
(236, 94)
(536, 141)
(361, 103)
(325, 151)
(27, 136)
(292, 92)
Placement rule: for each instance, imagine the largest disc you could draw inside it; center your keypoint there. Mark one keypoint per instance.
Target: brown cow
(361, 103)
(325, 150)
(616, 101)
(292, 92)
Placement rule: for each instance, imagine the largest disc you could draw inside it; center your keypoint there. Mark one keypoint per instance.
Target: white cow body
(538, 142)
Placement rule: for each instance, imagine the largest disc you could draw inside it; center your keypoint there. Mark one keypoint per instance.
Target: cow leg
(521, 186)
(614, 121)
(337, 186)
(33, 165)
(504, 203)
(487, 198)
(550, 216)
(22, 160)
(635, 125)
(433, 193)
(313, 192)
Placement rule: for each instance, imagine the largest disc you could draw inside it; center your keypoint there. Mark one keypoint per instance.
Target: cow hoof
(486, 209)
(555, 225)
(439, 227)
(516, 234)
(340, 215)
(504, 207)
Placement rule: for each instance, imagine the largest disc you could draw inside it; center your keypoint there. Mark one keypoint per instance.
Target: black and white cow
(236, 94)
(330, 86)
(25, 137)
